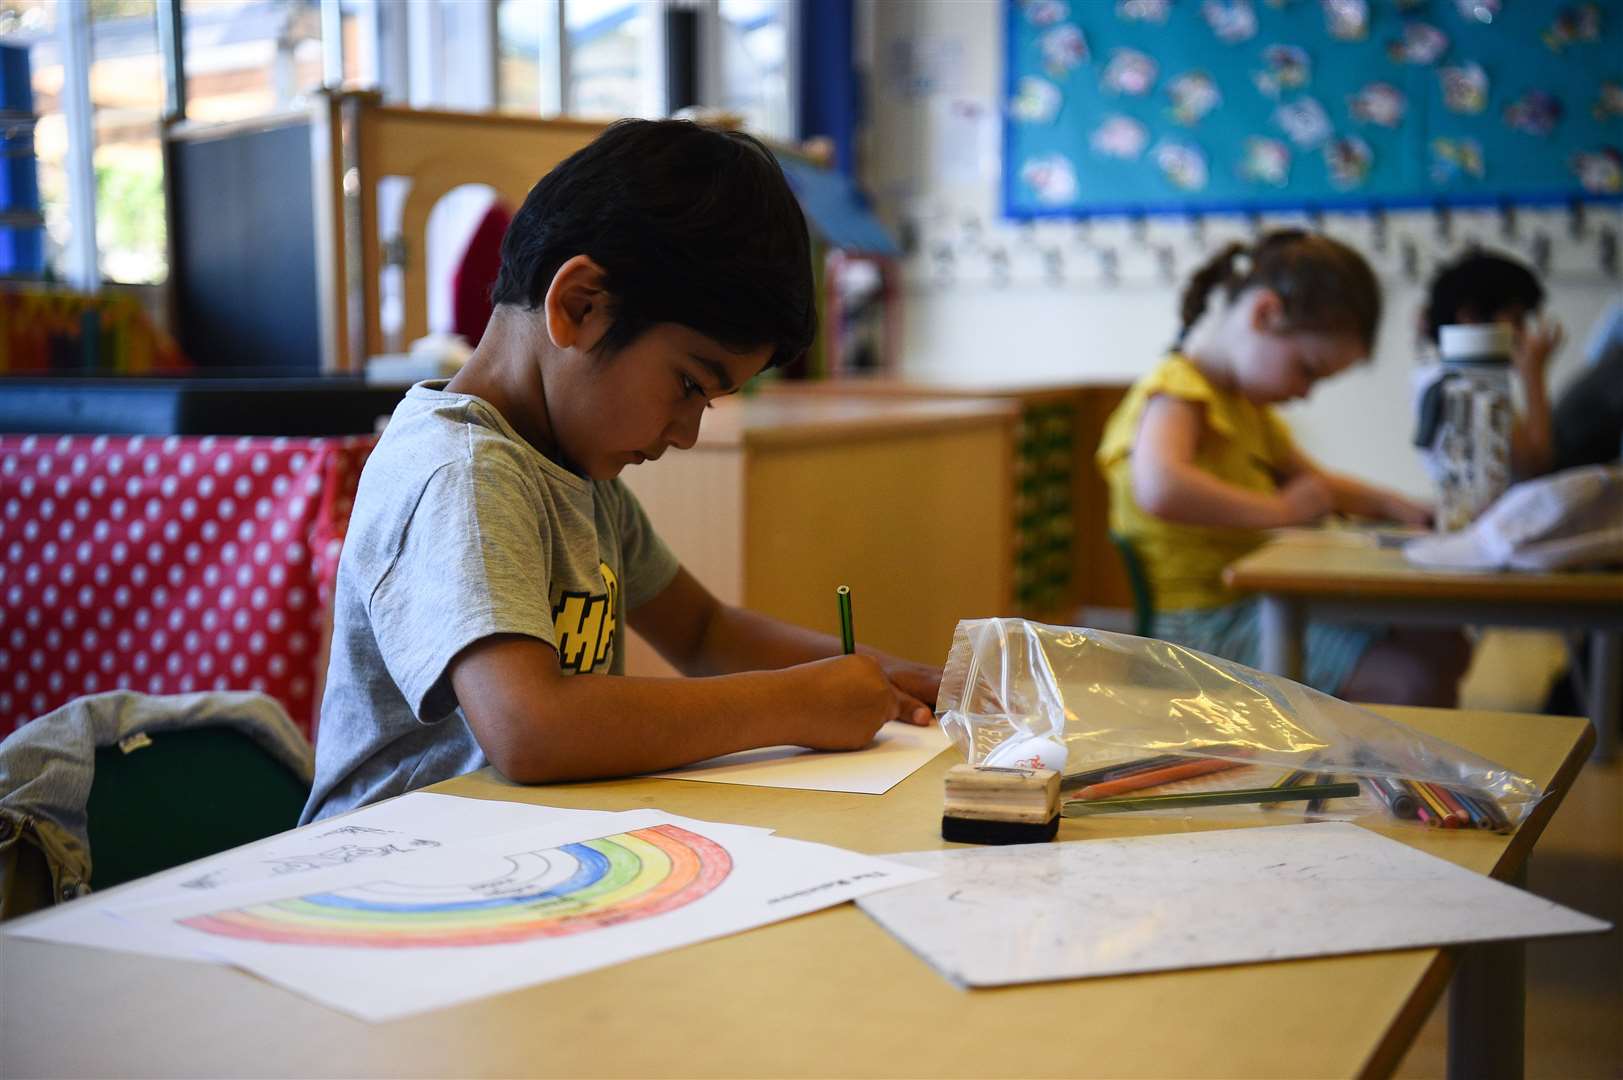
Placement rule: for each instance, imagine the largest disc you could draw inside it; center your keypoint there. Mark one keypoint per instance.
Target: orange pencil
(1438, 811)
(1451, 803)
(1156, 777)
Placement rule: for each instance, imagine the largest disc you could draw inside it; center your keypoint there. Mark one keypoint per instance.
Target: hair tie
(1240, 267)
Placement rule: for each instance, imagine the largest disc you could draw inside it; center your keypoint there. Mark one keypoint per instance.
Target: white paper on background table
(1348, 536)
(389, 831)
(465, 921)
(1038, 912)
(898, 751)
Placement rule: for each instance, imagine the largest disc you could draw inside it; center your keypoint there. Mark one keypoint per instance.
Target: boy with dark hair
(493, 555)
(1486, 287)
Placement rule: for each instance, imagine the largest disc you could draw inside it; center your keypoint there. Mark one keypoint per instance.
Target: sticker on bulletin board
(1184, 106)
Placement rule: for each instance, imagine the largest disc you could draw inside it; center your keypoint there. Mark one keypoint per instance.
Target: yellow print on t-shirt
(585, 624)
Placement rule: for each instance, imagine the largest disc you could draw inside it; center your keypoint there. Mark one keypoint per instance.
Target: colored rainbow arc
(572, 889)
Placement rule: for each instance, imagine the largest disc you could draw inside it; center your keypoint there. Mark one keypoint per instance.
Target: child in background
(1587, 428)
(1484, 287)
(494, 558)
(1200, 465)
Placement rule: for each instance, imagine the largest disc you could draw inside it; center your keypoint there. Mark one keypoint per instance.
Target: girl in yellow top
(1200, 465)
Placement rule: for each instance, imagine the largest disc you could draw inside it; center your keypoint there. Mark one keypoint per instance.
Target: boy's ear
(1267, 312)
(576, 304)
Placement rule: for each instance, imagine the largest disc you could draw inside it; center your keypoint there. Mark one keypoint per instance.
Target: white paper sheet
(400, 828)
(381, 941)
(897, 752)
(1038, 912)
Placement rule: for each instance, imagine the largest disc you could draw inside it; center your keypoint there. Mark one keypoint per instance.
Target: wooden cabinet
(786, 497)
(1061, 558)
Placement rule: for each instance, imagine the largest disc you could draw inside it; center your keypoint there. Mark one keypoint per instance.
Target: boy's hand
(855, 700)
(1306, 498)
(1543, 337)
(916, 687)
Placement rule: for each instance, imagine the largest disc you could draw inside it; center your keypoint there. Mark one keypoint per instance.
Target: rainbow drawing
(553, 893)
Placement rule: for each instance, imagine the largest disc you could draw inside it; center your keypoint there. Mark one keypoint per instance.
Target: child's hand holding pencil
(915, 685)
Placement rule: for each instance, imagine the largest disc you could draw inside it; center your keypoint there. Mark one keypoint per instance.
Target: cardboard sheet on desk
(1043, 912)
(897, 752)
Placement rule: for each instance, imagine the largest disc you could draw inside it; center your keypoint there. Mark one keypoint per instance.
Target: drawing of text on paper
(339, 855)
(561, 891)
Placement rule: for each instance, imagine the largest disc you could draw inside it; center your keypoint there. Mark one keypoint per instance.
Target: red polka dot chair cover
(169, 564)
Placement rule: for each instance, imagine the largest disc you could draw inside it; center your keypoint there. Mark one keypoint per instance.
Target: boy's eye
(690, 388)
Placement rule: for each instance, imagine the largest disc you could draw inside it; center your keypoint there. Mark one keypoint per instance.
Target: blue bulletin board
(1188, 106)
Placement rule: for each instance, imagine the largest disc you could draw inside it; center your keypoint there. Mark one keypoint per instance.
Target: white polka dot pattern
(168, 565)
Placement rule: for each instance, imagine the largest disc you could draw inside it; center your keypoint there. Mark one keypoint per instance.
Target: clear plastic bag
(1129, 709)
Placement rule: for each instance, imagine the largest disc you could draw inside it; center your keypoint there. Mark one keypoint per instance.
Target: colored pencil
(1118, 769)
(1400, 802)
(1084, 807)
(1316, 805)
(1157, 777)
(848, 637)
(1290, 779)
(1488, 807)
(1451, 803)
(1434, 806)
(1479, 817)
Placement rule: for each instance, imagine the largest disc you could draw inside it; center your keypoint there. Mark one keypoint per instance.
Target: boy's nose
(683, 431)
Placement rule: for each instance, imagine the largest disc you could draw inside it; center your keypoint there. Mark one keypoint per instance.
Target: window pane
(249, 57)
(126, 97)
(607, 41)
(521, 28)
(755, 64)
(360, 51)
(32, 24)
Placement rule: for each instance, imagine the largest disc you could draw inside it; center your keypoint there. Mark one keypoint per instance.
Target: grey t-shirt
(462, 530)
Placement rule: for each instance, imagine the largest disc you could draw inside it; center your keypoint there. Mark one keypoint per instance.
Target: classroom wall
(1059, 300)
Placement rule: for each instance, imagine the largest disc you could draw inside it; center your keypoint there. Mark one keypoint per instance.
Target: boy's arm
(538, 725)
(700, 636)
(1531, 448)
(1168, 483)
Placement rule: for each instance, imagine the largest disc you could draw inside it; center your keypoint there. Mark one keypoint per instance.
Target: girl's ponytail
(1217, 271)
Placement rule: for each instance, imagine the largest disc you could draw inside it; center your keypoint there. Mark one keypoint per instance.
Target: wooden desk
(783, 499)
(828, 994)
(1301, 580)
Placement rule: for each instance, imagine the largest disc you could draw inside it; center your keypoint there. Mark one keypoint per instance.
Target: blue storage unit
(22, 251)
(19, 183)
(22, 234)
(16, 88)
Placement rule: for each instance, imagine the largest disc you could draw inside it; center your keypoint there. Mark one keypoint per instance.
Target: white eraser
(1028, 752)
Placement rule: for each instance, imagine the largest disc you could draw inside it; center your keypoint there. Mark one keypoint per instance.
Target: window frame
(410, 53)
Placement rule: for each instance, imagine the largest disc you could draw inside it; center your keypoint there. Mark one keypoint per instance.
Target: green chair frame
(1143, 595)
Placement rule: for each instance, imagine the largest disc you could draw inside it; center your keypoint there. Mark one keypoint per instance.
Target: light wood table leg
(1487, 1009)
(1281, 636)
(1605, 690)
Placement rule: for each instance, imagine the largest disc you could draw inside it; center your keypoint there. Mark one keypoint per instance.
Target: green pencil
(1290, 779)
(848, 637)
(1084, 807)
